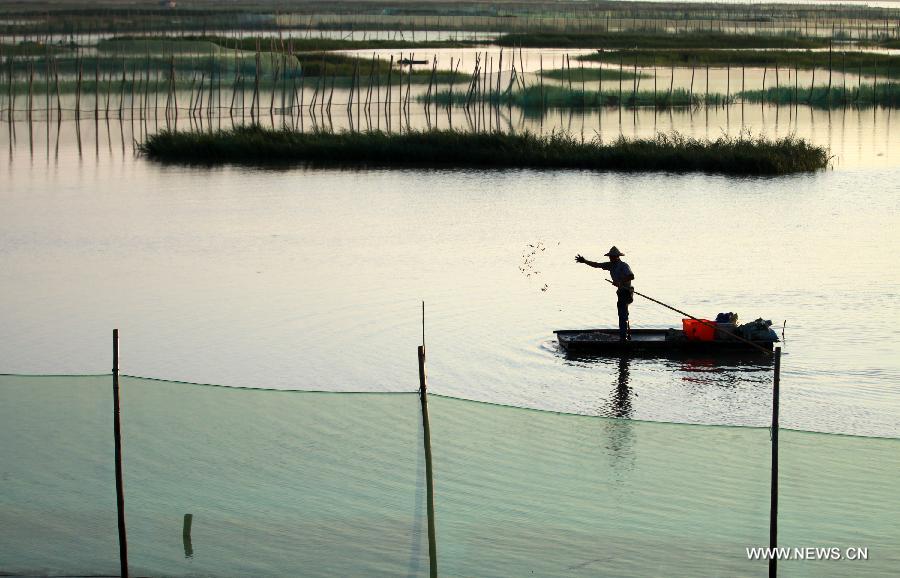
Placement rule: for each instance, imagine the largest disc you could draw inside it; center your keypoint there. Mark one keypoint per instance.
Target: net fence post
(117, 434)
(429, 472)
(773, 511)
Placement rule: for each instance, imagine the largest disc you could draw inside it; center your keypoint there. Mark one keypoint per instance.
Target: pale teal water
(331, 484)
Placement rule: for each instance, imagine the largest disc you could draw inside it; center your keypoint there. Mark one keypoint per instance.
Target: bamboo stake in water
(691, 92)
(499, 74)
(387, 96)
(429, 469)
(96, 87)
(828, 93)
(409, 79)
(812, 84)
(352, 86)
(621, 65)
(117, 438)
(186, 536)
(542, 80)
(58, 98)
(875, 79)
(773, 492)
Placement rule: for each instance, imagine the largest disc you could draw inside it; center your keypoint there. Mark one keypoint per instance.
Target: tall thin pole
(429, 472)
(117, 433)
(773, 511)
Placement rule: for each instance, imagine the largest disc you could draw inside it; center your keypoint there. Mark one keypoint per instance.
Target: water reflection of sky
(312, 279)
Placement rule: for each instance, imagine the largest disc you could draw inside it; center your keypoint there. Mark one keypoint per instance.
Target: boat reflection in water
(624, 391)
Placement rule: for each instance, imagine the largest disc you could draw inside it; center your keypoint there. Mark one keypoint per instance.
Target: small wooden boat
(407, 61)
(650, 341)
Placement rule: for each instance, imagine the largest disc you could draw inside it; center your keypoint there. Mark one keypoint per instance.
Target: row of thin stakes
(806, 21)
(120, 88)
(141, 87)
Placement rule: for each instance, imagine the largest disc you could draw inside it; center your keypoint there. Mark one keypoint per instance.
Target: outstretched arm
(580, 259)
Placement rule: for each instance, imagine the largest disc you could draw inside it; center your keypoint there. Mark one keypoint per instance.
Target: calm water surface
(313, 278)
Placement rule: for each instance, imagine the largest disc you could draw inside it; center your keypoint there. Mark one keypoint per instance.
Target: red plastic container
(696, 331)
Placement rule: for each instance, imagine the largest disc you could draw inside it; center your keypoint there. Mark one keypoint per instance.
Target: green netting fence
(288, 483)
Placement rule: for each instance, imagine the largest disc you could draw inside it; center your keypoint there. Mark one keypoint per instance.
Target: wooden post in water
(117, 435)
(773, 511)
(429, 472)
(186, 536)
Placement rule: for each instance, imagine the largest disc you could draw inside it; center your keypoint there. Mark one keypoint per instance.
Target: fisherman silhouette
(621, 277)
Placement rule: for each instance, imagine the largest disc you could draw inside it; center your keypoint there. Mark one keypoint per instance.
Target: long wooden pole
(117, 434)
(701, 321)
(429, 471)
(773, 510)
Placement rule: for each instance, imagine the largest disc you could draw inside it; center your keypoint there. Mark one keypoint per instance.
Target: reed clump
(886, 95)
(657, 39)
(591, 74)
(252, 43)
(535, 97)
(740, 155)
(854, 62)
